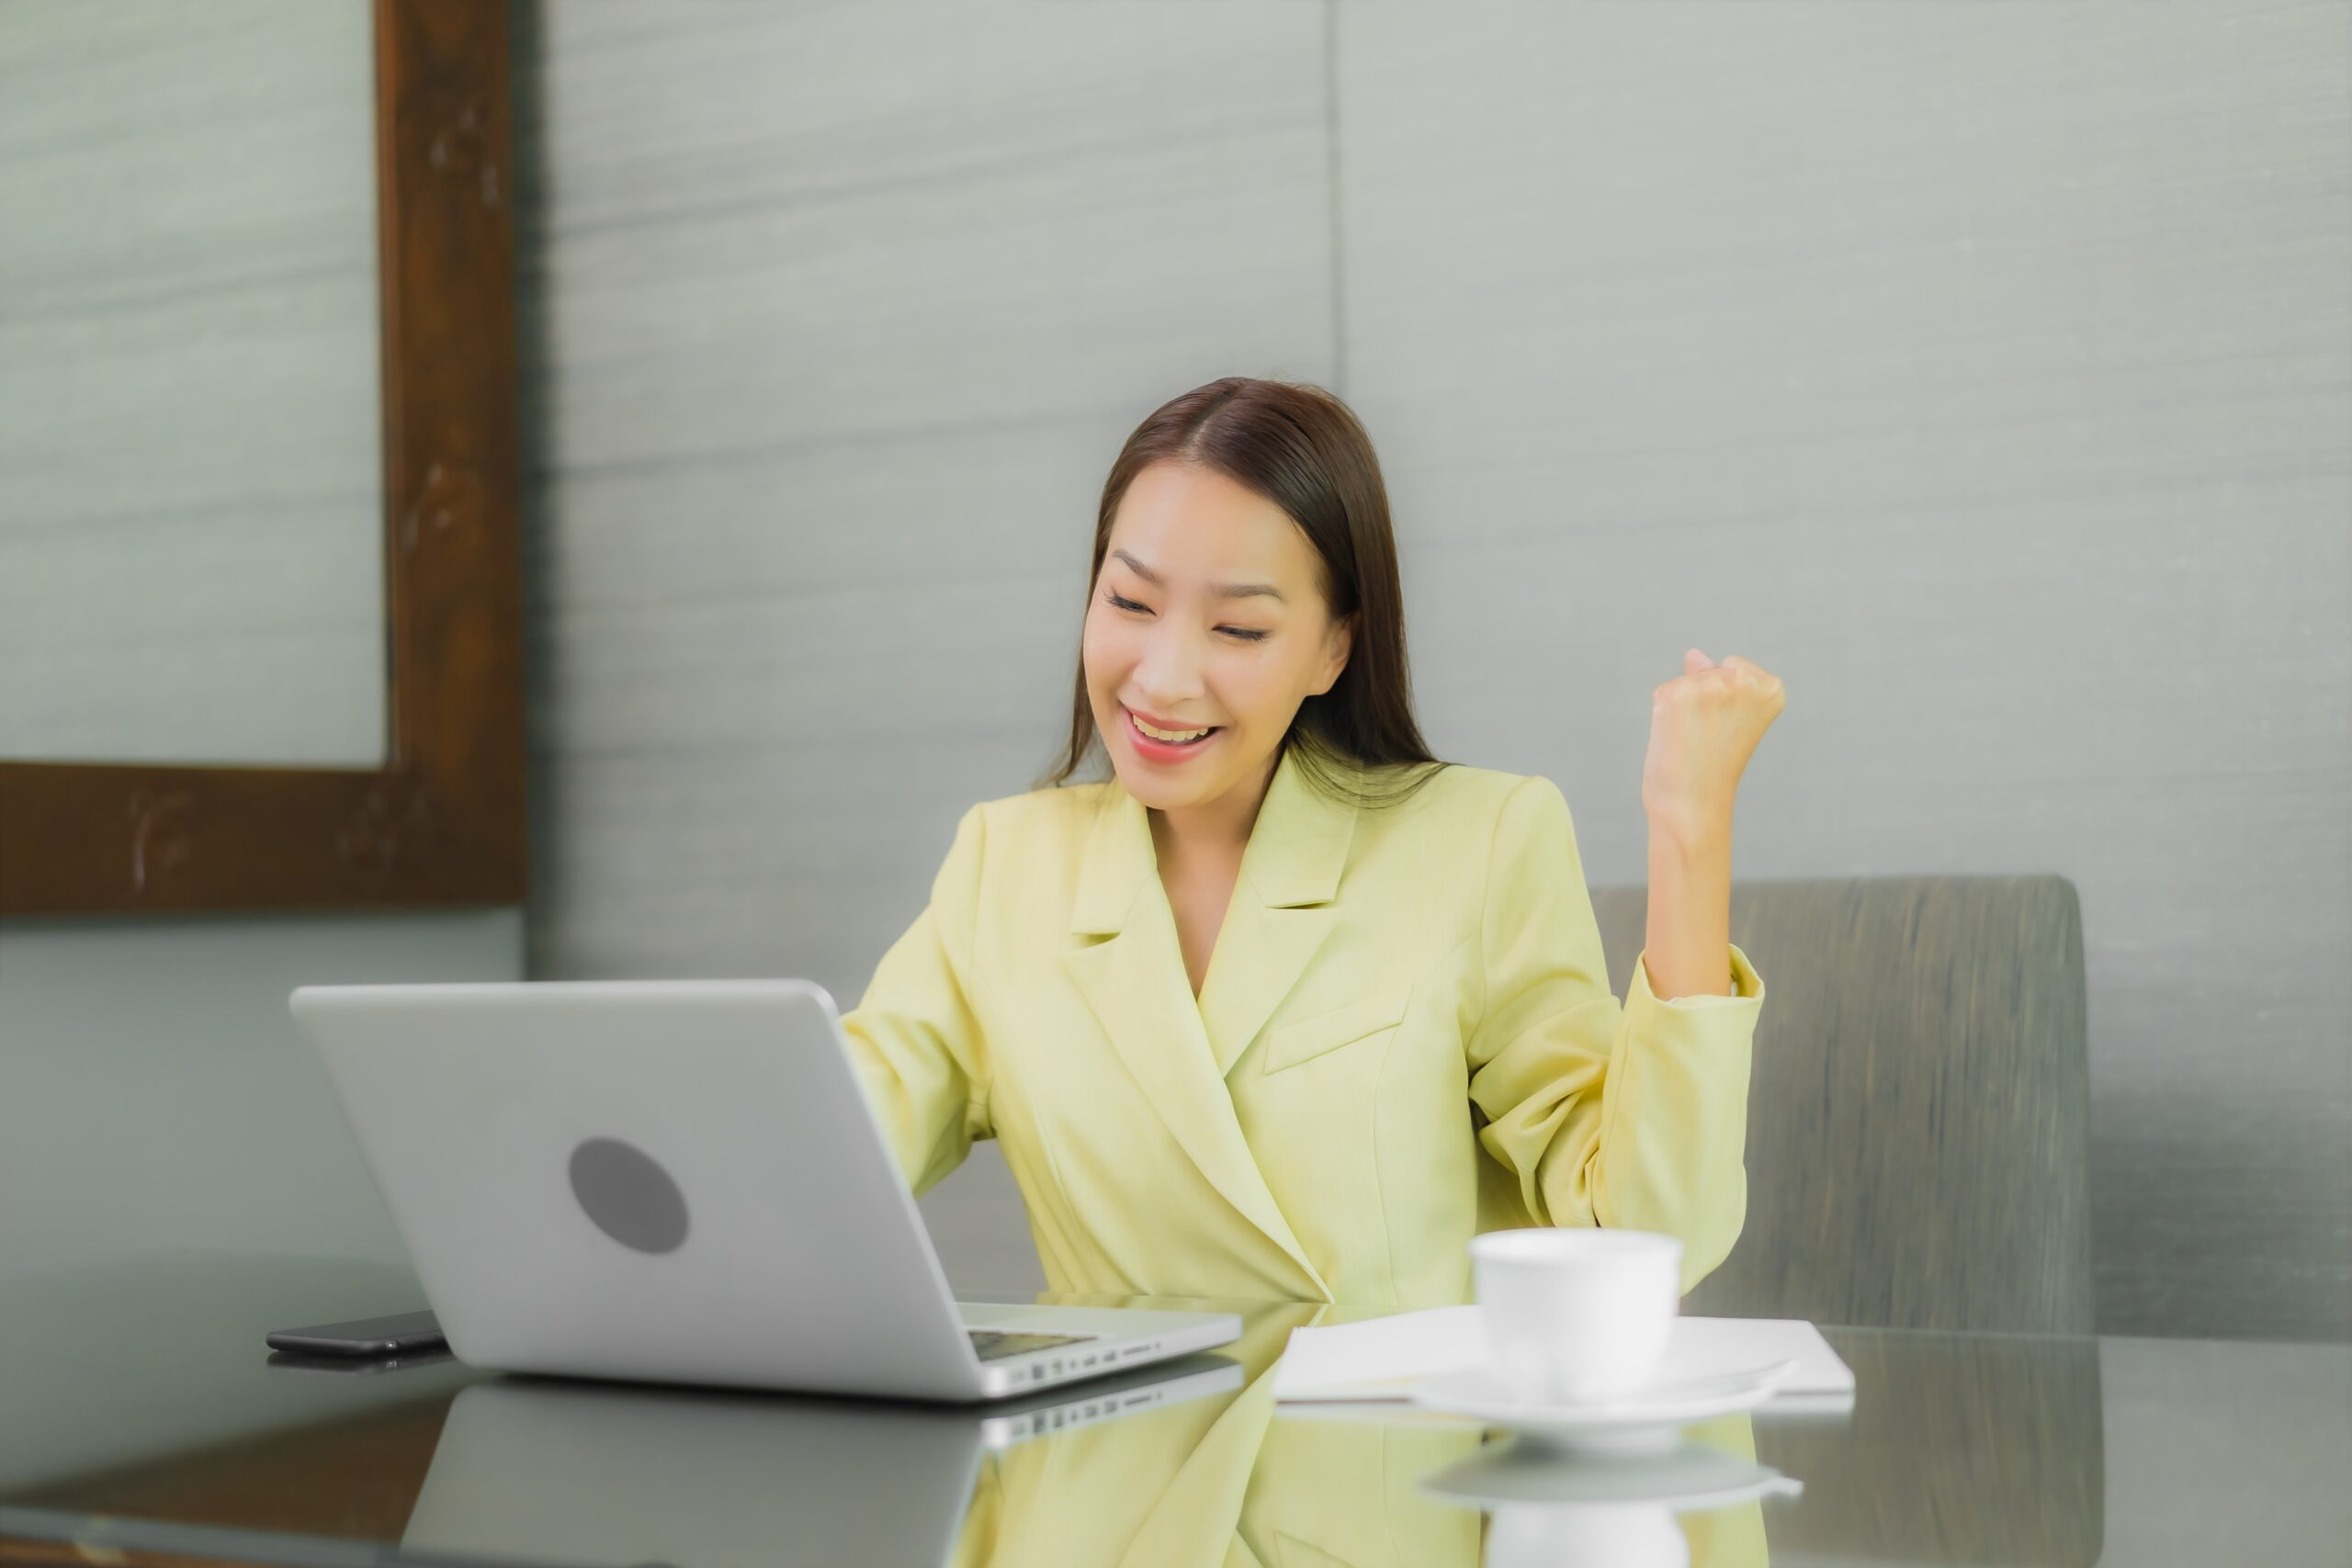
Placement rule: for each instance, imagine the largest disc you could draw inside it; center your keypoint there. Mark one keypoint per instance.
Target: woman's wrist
(1687, 827)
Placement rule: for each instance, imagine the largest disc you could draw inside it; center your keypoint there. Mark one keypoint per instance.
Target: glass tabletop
(141, 1414)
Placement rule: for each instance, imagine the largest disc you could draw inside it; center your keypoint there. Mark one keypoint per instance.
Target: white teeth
(1166, 734)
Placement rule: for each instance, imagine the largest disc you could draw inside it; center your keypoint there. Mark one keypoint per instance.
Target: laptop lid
(678, 1181)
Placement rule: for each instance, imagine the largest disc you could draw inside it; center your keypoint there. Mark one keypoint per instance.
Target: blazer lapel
(1282, 910)
(1177, 1048)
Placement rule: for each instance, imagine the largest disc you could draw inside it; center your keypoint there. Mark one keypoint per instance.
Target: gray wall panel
(156, 1094)
(836, 318)
(1985, 371)
(1982, 369)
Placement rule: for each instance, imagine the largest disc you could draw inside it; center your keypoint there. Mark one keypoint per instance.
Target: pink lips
(1164, 750)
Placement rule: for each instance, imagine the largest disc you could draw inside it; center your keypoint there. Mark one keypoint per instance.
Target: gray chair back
(1918, 1128)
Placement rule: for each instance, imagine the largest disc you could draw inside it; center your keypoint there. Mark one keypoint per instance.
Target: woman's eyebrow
(1223, 590)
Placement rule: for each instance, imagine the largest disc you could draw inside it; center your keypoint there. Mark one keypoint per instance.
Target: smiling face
(1206, 614)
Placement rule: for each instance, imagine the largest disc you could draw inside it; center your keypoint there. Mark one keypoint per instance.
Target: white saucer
(1684, 1478)
(1674, 1399)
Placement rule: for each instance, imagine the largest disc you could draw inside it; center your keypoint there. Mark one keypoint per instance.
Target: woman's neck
(1215, 831)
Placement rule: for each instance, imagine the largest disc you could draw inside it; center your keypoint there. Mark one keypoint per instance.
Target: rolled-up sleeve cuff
(1748, 992)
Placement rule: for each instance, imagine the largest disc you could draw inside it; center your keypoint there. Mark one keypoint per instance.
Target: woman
(1286, 1008)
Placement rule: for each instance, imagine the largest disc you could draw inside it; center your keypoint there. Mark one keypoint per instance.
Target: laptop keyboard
(991, 1346)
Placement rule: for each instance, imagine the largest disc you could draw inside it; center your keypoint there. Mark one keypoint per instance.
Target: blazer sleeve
(914, 1036)
(1632, 1117)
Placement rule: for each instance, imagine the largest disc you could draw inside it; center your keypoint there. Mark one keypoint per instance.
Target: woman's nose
(1169, 672)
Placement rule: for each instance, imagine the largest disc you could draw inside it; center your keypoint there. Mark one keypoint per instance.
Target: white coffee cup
(1576, 1314)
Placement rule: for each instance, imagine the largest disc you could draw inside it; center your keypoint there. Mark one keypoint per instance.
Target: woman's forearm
(1688, 945)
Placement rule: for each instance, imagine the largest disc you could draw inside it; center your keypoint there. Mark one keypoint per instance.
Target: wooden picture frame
(443, 821)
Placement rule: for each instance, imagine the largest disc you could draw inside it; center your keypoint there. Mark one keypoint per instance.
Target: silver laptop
(677, 1182)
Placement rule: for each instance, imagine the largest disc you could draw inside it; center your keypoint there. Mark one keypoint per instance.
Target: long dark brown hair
(1304, 450)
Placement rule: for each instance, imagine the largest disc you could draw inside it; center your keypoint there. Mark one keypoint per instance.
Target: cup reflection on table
(1693, 1501)
(1553, 1535)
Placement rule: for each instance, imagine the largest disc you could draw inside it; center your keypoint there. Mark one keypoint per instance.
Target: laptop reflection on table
(595, 1473)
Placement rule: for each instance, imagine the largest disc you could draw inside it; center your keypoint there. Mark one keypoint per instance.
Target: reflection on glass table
(1551, 1506)
(581, 1472)
(142, 1413)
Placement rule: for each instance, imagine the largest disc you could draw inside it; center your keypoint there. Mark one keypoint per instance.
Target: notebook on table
(1379, 1359)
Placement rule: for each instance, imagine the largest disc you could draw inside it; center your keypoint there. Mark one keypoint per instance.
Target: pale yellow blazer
(1405, 1036)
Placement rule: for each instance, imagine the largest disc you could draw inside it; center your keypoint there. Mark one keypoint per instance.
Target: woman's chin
(1155, 789)
(1150, 789)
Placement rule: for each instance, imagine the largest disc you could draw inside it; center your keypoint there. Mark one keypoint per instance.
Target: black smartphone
(363, 1335)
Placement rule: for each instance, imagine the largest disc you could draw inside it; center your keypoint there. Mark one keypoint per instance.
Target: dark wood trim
(442, 822)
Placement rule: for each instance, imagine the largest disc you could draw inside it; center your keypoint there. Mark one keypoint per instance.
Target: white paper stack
(1381, 1358)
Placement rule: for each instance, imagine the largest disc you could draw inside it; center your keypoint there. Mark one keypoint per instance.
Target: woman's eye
(1239, 634)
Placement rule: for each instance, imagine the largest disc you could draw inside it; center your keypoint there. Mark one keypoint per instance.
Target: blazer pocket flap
(1290, 1043)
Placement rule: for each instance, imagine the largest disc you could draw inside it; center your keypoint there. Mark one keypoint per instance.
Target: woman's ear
(1338, 644)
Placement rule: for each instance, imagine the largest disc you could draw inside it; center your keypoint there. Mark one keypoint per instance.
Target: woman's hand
(1704, 725)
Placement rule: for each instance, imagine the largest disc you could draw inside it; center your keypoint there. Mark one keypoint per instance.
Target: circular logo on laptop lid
(629, 1196)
